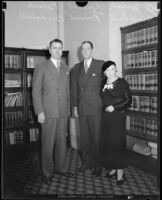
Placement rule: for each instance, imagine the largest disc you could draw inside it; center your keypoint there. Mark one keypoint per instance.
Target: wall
(32, 24)
(86, 23)
(100, 22)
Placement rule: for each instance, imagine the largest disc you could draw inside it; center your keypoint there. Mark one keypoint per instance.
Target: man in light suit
(87, 105)
(51, 103)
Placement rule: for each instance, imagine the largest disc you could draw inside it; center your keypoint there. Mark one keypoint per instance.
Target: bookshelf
(140, 69)
(21, 129)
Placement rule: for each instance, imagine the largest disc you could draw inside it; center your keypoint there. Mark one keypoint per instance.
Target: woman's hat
(107, 64)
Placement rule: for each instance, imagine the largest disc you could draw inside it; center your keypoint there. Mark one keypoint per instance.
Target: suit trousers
(90, 126)
(53, 145)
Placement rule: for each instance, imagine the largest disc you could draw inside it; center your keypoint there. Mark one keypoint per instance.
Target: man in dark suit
(87, 105)
(51, 104)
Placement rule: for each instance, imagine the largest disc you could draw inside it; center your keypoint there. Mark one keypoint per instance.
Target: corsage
(108, 86)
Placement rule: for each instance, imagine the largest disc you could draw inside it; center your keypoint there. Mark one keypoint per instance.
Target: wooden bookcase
(21, 131)
(140, 69)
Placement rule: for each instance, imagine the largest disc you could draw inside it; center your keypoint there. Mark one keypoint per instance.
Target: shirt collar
(88, 61)
(54, 61)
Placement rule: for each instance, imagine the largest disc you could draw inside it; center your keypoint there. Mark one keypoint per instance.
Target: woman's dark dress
(113, 139)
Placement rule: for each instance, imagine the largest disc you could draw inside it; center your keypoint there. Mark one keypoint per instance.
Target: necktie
(86, 66)
(58, 66)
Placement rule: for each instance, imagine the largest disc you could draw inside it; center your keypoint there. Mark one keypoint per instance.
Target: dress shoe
(121, 181)
(66, 174)
(84, 168)
(109, 175)
(47, 180)
(97, 172)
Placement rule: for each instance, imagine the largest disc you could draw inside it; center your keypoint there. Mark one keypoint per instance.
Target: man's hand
(109, 108)
(75, 112)
(41, 118)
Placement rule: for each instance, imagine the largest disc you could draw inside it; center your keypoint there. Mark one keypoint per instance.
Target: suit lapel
(52, 68)
(85, 77)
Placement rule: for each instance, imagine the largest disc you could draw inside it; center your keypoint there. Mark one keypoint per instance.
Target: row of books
(14, 137)
(34, 134)
(142, 127)
(148, 81)
(31, 117)
(13, 99)
(144, 104)
(141, 37)
(143, 59)
(12, 83)
(13, 118)
(12, 61)
(33, 61)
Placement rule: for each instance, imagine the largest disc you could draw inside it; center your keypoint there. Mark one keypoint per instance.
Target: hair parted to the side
(56, 40)
(89, 42)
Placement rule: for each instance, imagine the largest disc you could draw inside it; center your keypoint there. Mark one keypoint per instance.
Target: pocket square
(93, 74)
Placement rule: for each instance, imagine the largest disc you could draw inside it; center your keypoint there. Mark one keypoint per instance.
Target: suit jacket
(86, 87)
(51, 89)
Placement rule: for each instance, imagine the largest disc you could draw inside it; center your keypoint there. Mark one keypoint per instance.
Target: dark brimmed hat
(107, 64)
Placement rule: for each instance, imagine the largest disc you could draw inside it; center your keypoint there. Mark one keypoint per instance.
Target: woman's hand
(110, 108)
(41, 118)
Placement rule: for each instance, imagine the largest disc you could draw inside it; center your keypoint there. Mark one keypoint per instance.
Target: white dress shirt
(88, 62)
(55, 61)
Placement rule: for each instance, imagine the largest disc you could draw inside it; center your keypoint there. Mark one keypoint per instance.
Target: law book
(147, 36)
(145, 59)
(155, 34)
(8, 98)
(139, 125)
(156, 58)
(14, 62)
(135, 39)
(138, 38)
(12, 102)
(154, 104)
(141, 105)
(37, 134)
(32, 135)
(151, 35)
(147, 127)
(31, 62)
(131, 39)
(149, 59)
(132, 124)
(130, 81)
(155, 81)
(29, 80)
(132, 60)
(135, 60)
(155, 128)
(143, 121)
(6, 60)
(128, 61)
(143, 37)
(147, 81)
(140, 59)
(135, 125)
(12, 137)
(152, 128)
(128, 122)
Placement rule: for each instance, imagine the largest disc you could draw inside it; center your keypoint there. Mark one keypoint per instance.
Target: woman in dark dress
(116, 99)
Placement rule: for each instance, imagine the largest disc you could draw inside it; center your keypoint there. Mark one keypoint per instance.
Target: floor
(24, 179)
